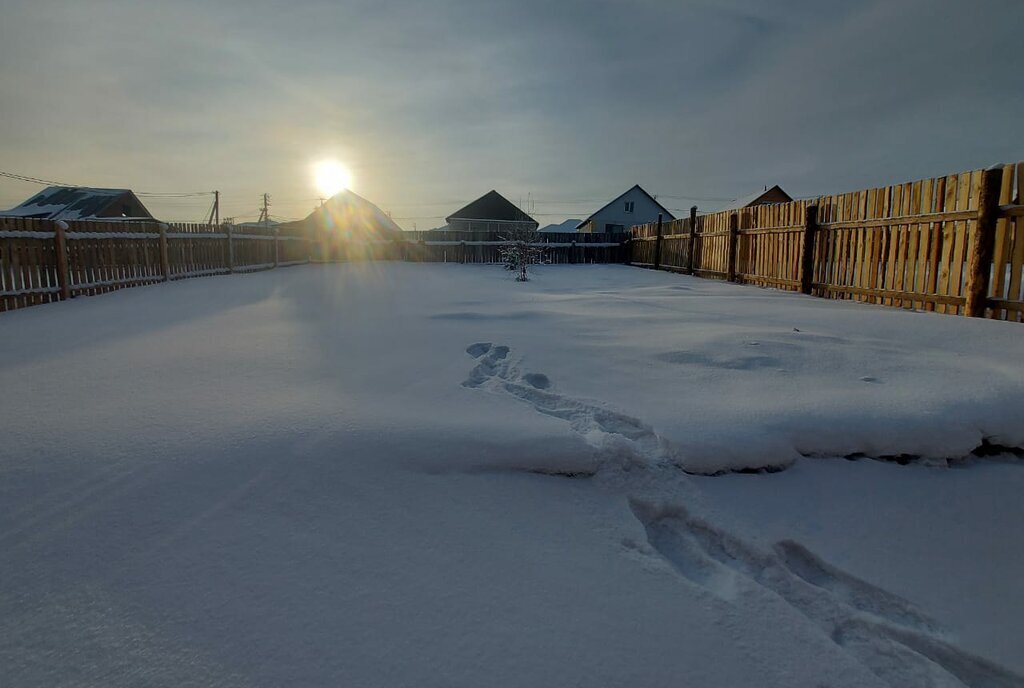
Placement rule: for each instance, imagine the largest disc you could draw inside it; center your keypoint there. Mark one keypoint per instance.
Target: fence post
(807, 248)
(980, 249)
(657, 246)
(165, 261)
(730, 273)
(231, 249)
(693, 239)
(277, 248)
(60, 245)
(572, 252)
(462, 251)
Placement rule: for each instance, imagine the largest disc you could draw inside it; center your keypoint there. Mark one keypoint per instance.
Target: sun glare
(331, 177)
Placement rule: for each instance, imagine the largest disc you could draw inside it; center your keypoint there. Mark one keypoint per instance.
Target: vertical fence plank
(730, 271)
(982, 243)
(807, 248)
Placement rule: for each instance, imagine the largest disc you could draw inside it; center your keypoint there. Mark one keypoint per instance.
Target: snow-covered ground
(430, 475)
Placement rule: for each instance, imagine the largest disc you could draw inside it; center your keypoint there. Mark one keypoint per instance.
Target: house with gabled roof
(634, 207)
(492, 212)
(81, 203)
(765, 197)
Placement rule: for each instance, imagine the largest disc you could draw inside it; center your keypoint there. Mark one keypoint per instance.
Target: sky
(560, 105)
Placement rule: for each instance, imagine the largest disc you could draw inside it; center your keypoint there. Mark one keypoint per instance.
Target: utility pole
(265, 211)
(216, 207)
(215, 210)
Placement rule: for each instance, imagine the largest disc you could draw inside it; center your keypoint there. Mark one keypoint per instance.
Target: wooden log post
(165, 260)
(60, 246)
(807, 248)
(657, 245)
(231, 249)
(693, 240)
(734, 224)
(982, 244)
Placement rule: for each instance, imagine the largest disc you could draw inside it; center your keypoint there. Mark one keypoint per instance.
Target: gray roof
(74, 203)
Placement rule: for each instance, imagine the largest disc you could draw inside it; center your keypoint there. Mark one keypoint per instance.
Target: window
(614, 228)
(629, 206)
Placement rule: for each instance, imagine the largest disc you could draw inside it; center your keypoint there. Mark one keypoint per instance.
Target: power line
(709, 199)
(34, 180)
(151, 194)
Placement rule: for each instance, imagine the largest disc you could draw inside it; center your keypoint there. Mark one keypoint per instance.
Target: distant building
(492, 212)
(567, 226)
(635, 207)
(766, 197)
(347, 215)
(81, 203)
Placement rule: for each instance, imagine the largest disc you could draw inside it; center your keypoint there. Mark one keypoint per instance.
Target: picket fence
(45, 260)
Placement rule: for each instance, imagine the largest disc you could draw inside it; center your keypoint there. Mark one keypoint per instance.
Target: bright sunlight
(331, 177)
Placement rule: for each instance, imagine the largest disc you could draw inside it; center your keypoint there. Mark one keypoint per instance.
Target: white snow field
(391, 474)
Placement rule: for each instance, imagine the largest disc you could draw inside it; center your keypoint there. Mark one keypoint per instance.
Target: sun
(331, 177)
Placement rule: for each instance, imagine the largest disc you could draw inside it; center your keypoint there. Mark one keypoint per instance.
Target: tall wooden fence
(45, 260)
(952, 244)
(473, 247)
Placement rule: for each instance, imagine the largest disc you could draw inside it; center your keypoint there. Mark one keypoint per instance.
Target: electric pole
(215, 210)
(265, 211)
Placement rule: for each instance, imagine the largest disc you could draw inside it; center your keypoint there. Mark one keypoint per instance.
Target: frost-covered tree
(521, 250)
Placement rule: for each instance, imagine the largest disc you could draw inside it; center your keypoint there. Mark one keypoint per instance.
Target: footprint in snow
(618, 434)
(884, 632)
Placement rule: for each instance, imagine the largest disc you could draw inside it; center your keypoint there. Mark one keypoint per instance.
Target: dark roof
(668, 214)
(491, 206)
(78, 203)
(756, 198)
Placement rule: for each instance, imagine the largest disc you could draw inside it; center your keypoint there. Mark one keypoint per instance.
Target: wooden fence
(952, 244)
(45, 260)
(473, 247)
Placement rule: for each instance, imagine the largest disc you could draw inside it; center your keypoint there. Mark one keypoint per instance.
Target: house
(766, 197)
(347, 215)
(492, 212)
(81, 203)
(567, 226)
(635, 207)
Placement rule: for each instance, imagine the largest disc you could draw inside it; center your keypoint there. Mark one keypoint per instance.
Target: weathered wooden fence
(45, 260)
(473, 247)
(952, 244)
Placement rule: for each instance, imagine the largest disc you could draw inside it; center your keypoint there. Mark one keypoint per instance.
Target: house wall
(644, 210)
(127, 206)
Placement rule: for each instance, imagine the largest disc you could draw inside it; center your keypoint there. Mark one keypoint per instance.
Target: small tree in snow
(521, 250)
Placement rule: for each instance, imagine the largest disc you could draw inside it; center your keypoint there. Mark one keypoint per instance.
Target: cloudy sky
(563, 102)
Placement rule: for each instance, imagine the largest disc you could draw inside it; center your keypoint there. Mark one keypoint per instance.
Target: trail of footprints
(884, 632)
(607, 430)
(898, 643)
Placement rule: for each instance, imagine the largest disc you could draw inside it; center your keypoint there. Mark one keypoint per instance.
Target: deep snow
(401, 474)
